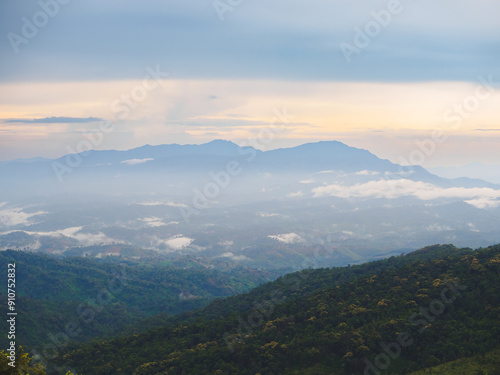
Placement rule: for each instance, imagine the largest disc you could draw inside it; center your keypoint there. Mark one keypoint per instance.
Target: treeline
(390, 317)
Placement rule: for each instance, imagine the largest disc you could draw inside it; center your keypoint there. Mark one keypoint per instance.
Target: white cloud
(296, 194)
(226, 243)
(308, 181)
(15, 216)
(288, 238)
(484, 202)
(158, 203)
(68, 232)
(268, 214)
(473, 227)
(93, 239)
(478, 197)
(234, 257)
(402, 173)
(325, 172)
(136, 161)
(367, 173)
(85, 239)
(153, 221)
(177, 242)
(437, 228)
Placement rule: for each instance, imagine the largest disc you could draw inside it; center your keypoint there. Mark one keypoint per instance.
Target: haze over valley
(240, 205)
(231, 187)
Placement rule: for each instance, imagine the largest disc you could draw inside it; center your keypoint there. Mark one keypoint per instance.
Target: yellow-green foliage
(488, 364)
(22, 365)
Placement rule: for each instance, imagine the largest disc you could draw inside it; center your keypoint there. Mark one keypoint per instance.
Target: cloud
(268, 214)
(98, 238)
(437, 228)
(421, 42)
(57, 120)
(15, 216)
(221, 122)
(296, 194)
(158, 203)
(484, 202)
(390, 189)
(367, 173)
(153, 222)
(156, 222)
(85, 239)
(136, 161)
(326, 172)
(473, 227)
(288, 238)
(234, 257)
(177, 242)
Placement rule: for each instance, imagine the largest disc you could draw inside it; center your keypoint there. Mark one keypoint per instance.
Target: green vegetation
(101, 298)
(417, 311)
(486, 364)
(22, 365)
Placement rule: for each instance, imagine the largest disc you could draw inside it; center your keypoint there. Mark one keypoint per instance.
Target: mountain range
(490, 173)
(225, 202)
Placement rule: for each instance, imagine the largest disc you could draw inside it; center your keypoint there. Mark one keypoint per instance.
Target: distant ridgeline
(392, 316)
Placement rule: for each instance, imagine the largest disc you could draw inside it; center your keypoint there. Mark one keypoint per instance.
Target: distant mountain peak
(220, 142)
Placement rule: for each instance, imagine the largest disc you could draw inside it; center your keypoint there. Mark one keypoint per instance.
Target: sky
(414, 82)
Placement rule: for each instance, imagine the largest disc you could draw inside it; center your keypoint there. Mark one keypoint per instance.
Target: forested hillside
(481, 364)
(103, 297)
(392, 316)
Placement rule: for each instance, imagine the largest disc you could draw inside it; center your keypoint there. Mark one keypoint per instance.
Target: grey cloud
(57, 120)
(272, 39)
(233, 123)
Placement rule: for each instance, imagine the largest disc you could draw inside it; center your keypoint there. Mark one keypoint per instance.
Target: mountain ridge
(311, 157)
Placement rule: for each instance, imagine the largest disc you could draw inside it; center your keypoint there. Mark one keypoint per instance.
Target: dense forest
(481, 364)
(102, 298)
(392, 316)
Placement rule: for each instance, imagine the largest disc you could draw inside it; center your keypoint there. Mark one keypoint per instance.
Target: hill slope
(485, 364)
(411, 314)
(103, 298)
